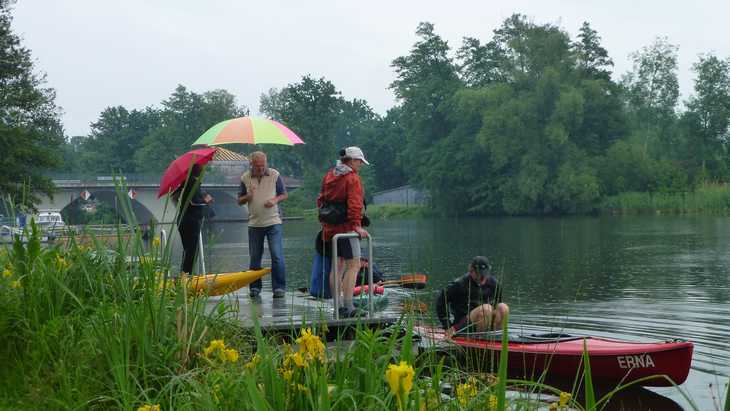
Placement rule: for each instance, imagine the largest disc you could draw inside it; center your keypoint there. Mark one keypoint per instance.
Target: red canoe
(559, 356)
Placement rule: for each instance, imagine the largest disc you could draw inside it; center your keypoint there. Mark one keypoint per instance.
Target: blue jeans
(273, 234)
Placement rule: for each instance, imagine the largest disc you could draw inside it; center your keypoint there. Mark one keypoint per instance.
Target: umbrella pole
(202, 251)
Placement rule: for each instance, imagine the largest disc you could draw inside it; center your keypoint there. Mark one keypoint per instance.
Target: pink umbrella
(178, 170)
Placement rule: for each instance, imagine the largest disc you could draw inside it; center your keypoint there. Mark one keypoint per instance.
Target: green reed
(709, 198)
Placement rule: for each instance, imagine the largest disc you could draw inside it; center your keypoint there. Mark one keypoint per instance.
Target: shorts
(348, 248)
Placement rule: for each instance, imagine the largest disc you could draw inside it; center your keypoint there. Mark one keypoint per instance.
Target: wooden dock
(298, 309)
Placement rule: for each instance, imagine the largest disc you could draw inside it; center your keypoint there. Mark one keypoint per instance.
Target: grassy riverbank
(394, 211)
(374, 212)
(301, 203)
(83, 329)
(708, 199)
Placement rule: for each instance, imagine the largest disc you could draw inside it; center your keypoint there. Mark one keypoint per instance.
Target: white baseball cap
(356, 154)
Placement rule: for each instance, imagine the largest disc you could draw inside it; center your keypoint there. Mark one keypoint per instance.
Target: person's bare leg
(341, 266)
(501, 312)
(481, 317)
(352, 266)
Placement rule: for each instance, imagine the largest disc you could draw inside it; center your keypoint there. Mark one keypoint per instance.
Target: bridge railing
(148, 179)
(69, 179)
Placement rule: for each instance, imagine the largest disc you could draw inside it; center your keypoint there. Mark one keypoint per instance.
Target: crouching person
(473, 301)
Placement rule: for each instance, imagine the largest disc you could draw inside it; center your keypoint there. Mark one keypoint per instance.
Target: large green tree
(591, 56)
(355, 122)
(652, 91)
(115, 138)
(184, 116)
(536, 126)
(384, 144)
(707, 120)
(604, 119)
(310, 108)
(425, 79)
(71, 152)
(30, 129)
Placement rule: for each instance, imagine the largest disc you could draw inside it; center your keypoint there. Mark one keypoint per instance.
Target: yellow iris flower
(400, 378)
(564, 398)
(465, 392)
(215, 345)
(255, 360)
(61, 262)
(230, 355)
(217, 348)
(311, 345)
(492, 402)
(286, 374)
(299, 360)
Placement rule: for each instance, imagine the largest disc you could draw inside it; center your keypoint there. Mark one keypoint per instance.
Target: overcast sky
(100, 53)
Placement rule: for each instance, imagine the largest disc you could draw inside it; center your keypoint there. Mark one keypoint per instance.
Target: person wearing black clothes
(472, 302)
(191, 216)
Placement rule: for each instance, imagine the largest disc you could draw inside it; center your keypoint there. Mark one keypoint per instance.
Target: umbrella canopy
(177, 171)
(248, 130)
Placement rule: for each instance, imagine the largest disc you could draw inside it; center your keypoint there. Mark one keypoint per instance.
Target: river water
(640, 277)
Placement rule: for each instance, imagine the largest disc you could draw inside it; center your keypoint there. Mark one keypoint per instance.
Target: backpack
(333, 213)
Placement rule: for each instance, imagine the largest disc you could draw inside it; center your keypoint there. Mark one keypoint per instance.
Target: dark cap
(481, 265)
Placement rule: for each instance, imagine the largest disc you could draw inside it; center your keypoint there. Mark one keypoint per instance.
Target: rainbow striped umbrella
(248, 130)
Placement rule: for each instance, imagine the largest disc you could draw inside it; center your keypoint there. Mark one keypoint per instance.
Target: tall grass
(83, 328)
(395, 211)
(710, 198)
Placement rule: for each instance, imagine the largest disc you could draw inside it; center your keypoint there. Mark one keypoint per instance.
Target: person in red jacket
(342, 191)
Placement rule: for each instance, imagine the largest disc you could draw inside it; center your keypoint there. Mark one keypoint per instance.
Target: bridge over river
(141, 191)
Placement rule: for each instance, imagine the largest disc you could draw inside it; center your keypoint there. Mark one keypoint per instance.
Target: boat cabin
(49, 219)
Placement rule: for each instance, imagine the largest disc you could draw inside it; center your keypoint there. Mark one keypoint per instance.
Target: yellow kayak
(224, 283)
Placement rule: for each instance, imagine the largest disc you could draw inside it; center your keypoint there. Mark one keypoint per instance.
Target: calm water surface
(640, 278)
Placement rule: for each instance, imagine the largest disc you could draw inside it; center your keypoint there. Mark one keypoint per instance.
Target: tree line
(529, 121)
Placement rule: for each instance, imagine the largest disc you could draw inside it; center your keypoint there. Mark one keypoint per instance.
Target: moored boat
(560, 356)
(224, 283)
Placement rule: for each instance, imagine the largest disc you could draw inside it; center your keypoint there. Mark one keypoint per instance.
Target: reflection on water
(636, 278)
